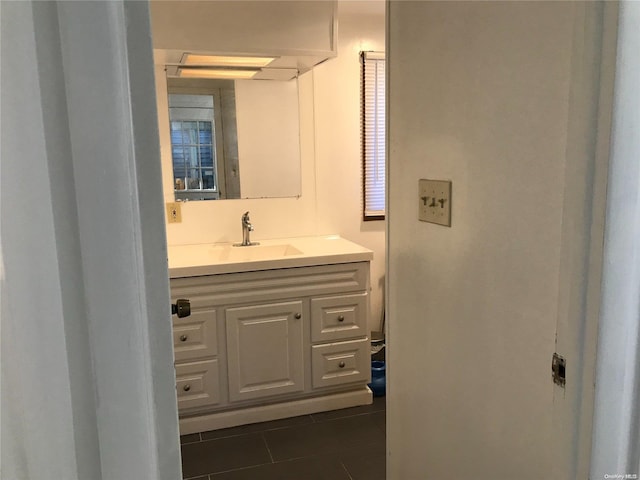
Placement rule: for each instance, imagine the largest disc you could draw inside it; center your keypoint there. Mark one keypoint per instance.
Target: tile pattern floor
(347, 444)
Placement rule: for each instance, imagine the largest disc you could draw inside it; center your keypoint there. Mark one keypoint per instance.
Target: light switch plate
(174, 213)
(434, 201)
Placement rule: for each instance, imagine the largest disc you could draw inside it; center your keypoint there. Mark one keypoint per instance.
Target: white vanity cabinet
(261, 345)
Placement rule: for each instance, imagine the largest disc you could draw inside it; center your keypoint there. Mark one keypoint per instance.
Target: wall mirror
(234, 138)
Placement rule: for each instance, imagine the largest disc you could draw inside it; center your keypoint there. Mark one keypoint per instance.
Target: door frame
(593, 70)
(616, 423)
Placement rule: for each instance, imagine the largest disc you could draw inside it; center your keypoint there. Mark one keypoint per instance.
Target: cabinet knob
(341, 318)
(341, 364)
(298, 316)
(186, 388)
(183, 338)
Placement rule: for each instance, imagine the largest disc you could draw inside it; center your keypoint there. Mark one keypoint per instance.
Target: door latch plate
(559, 370)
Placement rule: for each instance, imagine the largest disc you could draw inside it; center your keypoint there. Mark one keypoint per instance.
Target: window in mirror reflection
(203, 141)
(192, 153)
(192, 146)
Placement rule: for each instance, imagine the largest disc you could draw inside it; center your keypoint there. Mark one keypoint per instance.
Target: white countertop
(215, 258)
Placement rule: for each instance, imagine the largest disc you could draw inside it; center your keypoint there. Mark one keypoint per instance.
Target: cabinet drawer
(339, 317)
(343, 362)
(197, 384)
(195, 336)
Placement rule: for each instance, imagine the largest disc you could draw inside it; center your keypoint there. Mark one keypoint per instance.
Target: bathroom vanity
(277, 329)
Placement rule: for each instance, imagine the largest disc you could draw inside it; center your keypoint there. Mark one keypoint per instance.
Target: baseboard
(264, 413)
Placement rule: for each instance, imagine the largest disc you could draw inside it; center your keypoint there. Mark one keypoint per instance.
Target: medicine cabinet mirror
(233, 138)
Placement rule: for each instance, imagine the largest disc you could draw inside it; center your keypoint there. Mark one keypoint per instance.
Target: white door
(85, 288)
(502, 99)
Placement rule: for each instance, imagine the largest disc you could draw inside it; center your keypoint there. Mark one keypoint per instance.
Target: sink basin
(210, 259)
(253, 253)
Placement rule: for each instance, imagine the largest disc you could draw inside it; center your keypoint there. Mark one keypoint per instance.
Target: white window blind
(373, 118)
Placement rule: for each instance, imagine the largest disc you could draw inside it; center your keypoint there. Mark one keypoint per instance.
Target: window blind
(373, 132)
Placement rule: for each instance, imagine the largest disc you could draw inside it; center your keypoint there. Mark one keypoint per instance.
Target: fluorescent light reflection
(224, 61)
(215, 73)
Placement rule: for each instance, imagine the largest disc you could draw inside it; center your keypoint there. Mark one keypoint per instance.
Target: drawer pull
(341, 318)
(183, 338)
(186, 388)
(341, 364)
(298, 316)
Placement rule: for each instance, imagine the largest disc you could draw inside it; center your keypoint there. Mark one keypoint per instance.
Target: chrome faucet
(246, 229)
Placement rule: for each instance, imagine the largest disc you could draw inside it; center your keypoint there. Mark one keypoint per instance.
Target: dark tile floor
(347, 444)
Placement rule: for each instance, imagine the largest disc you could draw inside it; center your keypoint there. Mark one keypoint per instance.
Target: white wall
(338, 133)
(330, 159)
(481, 94)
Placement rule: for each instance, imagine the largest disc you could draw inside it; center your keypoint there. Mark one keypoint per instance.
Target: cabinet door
(265, 350)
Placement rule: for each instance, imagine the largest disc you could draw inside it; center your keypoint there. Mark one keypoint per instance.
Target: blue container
(378, 378)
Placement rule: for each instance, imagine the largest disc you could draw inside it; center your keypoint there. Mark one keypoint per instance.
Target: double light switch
(434, 201)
